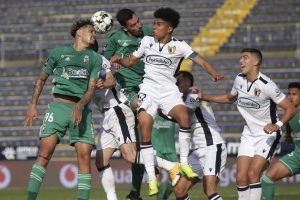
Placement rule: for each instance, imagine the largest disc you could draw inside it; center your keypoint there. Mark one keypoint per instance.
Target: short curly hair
(78, 24)
(169, 15)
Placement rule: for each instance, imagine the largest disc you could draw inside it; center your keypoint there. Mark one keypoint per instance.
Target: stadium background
(218, 29)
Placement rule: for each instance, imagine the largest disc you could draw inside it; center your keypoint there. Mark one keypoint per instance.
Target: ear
(124, 28)
(170, 29)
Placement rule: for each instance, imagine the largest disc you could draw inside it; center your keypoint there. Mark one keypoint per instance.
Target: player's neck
(252, 75)
(165, 39)
(79, 46)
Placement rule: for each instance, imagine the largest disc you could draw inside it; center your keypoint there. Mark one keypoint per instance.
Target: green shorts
(292, 161)
(167, 156)
(131, 93)
(58, 119)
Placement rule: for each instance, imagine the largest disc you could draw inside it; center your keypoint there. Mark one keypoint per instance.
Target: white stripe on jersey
(257, 101)
(162, 60)
(206, 132)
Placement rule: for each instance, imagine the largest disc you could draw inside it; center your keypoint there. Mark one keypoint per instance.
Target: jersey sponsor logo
(5, 176)
(124, 43)
(257, 92)
(74, 73)
(158, 60)
(248, 103)
(86, 59)
(171, 49)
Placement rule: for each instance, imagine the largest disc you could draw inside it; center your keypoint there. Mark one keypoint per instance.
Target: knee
(253, 176)
(241, 179)
(179, 191)
(129, 157)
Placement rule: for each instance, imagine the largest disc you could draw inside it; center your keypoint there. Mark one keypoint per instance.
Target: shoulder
(116, 34)
(264, 79)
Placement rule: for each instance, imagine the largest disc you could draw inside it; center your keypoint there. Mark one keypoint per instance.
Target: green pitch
(286, 192)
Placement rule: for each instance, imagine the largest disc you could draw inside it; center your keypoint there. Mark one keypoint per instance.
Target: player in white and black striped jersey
(257, 97)
(208, 151)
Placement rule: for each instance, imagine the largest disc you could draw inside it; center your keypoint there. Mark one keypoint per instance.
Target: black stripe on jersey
(263, 80)
(218, 159)
(278, 135)
(207, 133)
(178, 67)
(123, 124)
(114, 91)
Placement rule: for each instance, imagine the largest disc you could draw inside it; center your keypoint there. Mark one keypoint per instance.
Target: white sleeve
(186, 49)
(234, 91)
(106, 64)
(191, 101)
(274, 92)
(142, 47)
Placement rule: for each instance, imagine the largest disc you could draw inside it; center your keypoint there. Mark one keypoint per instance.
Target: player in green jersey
(123, 42)
(75, 69)
(289, 164)
(163, 141)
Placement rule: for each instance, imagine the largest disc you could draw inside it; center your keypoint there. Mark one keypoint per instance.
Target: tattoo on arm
(38, 87)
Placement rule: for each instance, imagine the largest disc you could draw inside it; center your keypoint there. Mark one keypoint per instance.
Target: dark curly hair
(169, 15)
(78, 24)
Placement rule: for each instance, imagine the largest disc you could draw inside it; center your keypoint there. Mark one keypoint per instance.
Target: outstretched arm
(126, 62)
(218, 98)
(38, 87)
(208, 68)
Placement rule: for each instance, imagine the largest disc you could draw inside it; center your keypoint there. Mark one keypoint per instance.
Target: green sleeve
(110, 48)
(50, 63)
(96, 67)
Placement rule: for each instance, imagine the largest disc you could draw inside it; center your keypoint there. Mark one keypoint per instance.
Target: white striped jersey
(162, 61)
(205, 131)
(257, 101)
(107, 98)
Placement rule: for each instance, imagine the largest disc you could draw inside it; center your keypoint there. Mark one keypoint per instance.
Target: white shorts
(263, 145)
(209, 160)
(118, 127)
(154, 97)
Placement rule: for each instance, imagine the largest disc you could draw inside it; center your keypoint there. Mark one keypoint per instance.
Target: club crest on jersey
(171, 49)
(257, 92)
(86, 59)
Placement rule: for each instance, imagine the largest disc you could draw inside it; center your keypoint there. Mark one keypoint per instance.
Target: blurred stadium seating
(29, 29)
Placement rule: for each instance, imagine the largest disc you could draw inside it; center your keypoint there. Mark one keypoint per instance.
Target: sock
(36, 177)
(148, 157)
(84, 186)
(160, 194)
(107, 180)
(215, 196)
(158, 161)
(186, 197)
(268, 188)
(255, 191)
(168, 190)
(243, 192)
(137, 171)
(184, 139)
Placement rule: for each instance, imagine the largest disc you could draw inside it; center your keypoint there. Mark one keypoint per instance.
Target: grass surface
(283, 192)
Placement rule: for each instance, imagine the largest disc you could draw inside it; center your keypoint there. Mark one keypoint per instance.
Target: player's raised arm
(206, 66)
(125, 62)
